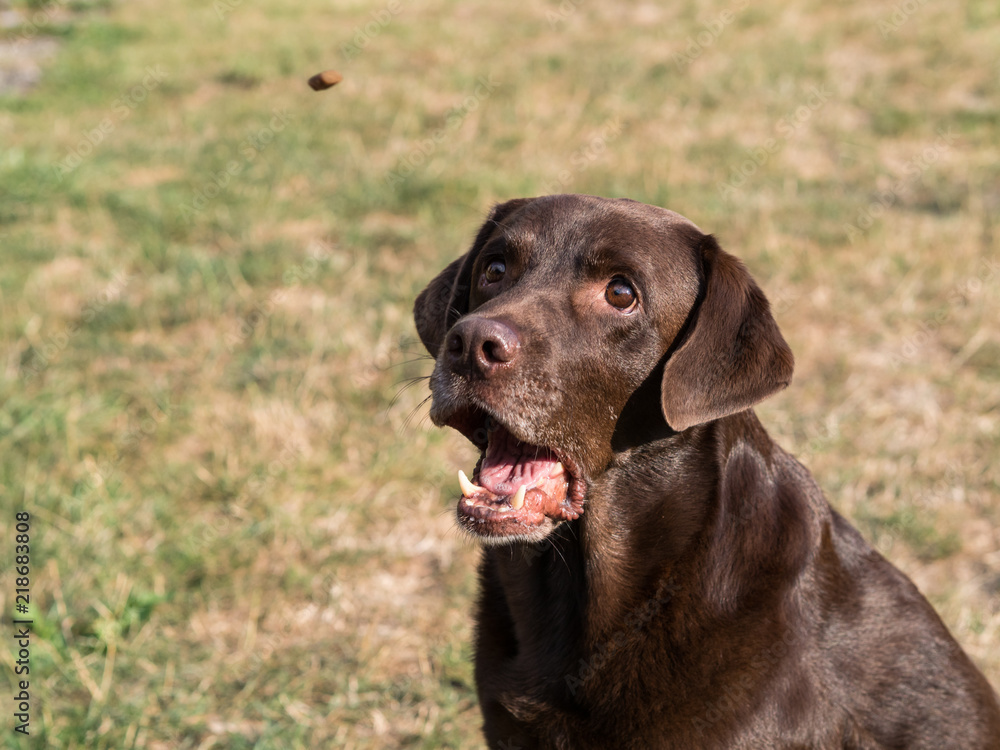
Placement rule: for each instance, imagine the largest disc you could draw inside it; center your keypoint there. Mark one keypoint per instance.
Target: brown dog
(658, 573)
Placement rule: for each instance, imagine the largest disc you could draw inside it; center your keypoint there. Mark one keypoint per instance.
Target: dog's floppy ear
(733, 355)
(446, 298)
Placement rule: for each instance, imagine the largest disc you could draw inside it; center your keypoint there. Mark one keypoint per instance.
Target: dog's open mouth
(516, 488)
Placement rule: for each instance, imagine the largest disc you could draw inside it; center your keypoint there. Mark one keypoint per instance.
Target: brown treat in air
(325, 80)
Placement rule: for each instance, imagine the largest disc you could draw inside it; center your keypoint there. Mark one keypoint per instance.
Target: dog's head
(548, 328)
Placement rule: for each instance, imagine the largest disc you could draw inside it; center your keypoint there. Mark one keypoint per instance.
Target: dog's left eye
(620, 294)
(494, 271)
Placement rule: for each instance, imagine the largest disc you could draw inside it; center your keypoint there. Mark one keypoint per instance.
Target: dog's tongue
(510, 464)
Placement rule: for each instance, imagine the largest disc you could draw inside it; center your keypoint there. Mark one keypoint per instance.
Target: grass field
(241, 530)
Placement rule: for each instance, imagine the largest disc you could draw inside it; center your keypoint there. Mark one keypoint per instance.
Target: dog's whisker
(421, 358)
(555, 547)
(409, 417)
(414, 379)
(406, 385)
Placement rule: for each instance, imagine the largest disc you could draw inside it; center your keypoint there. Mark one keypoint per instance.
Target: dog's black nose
(483, 345)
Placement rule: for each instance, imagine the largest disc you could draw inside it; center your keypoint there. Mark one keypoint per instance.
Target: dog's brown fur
(707, 596)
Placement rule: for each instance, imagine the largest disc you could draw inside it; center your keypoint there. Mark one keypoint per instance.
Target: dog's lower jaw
(521, 488)
(526, 516)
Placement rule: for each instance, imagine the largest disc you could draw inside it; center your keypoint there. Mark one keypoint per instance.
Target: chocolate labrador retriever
(656, 572)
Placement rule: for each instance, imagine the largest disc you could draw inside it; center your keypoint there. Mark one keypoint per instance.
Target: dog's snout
(482, 345)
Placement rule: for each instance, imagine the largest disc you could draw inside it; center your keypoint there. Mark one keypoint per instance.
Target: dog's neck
(620, 564)
(635, 549)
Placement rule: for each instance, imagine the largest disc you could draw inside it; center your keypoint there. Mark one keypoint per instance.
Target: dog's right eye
(620, 294)
(495, 270)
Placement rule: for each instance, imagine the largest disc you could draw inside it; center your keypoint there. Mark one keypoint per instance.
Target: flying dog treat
(325, 80)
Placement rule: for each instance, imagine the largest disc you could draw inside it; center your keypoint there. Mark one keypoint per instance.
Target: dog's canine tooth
(517, 502)
(468, 488)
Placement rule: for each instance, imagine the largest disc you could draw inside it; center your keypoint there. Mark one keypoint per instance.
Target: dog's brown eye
(494, 271)
(620, 294)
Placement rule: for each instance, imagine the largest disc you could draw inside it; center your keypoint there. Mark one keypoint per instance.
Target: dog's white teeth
(468, 488)
(517, 502)
(557, 470)
(468, 502)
